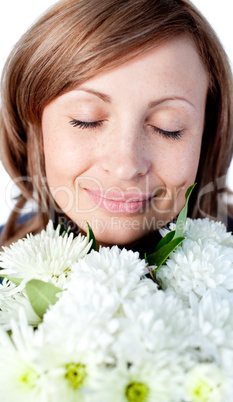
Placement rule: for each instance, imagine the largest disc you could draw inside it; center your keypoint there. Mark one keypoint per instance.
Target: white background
(17, 15)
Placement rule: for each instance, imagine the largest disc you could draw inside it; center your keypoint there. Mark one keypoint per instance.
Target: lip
(120, 203)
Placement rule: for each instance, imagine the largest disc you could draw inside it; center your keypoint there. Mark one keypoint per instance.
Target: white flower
(205, 229)
(83, 323)
(46, 256)
(11, 299)
(91, 303)
(112, 335)
(98, 330)
(200, 263)
(70, 376)
(215, 321)
(206, 383)
(159, 332)
(120, 270)
(96, 318)
(21, 376)
(87, 326)
(98, 327)
(156, 326)
(144, 381)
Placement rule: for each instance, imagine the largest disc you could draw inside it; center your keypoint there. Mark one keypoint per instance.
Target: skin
(102, 173)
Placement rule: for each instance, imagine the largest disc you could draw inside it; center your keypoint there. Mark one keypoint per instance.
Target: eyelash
(175, 135)
(86, 124)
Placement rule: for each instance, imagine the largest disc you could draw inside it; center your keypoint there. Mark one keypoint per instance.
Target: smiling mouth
(126, 204)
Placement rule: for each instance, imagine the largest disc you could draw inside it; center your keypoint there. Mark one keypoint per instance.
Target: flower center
(75, 374)
(202, 391)
(29, 378)
(136, 392)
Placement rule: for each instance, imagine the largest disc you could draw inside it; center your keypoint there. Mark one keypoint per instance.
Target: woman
(110, 110)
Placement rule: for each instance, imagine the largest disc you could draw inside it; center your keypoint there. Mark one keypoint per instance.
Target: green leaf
(165, 240)
(16, 281)
(168, 243)
(161, 255)
(90, 236)
(41, 295)
(181, 220)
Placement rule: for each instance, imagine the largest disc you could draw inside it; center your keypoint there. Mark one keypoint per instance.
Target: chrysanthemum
(84, 324)
(206, 383)
(118, 269)
(88, 310)
(149, 336)
(70, 376)
(144, 381)
(46, 256)
(11, 299)
(215, 322)
(205, 229)
(21, 376)
(91, 303)
(156, 325)
(203, 261)
(96, 317)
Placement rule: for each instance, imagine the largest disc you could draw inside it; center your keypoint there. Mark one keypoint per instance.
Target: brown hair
(75, 40)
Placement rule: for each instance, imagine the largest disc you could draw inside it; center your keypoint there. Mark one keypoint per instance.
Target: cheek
(187, 167)
(179, 168)
(179, 173)
(64, 160)
(191, 158)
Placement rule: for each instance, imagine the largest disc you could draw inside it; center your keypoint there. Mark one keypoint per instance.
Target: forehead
(174, 51)
(169, 68)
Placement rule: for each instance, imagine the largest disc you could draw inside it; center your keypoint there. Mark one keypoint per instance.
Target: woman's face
(122, 148)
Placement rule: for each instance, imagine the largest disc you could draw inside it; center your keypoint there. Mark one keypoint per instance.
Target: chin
(120, 238)
(122, 231)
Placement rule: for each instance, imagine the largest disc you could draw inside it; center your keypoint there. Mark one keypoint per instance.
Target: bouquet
(77, 324)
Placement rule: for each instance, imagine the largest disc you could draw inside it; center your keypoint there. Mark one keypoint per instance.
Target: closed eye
(86, 124)
(93, 124)
(174, 135)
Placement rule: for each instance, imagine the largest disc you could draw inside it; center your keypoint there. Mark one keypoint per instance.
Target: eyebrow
(151, 105)
(103, 97)
(172, 98)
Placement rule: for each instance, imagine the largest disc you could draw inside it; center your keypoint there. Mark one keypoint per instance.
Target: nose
(126, 155)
